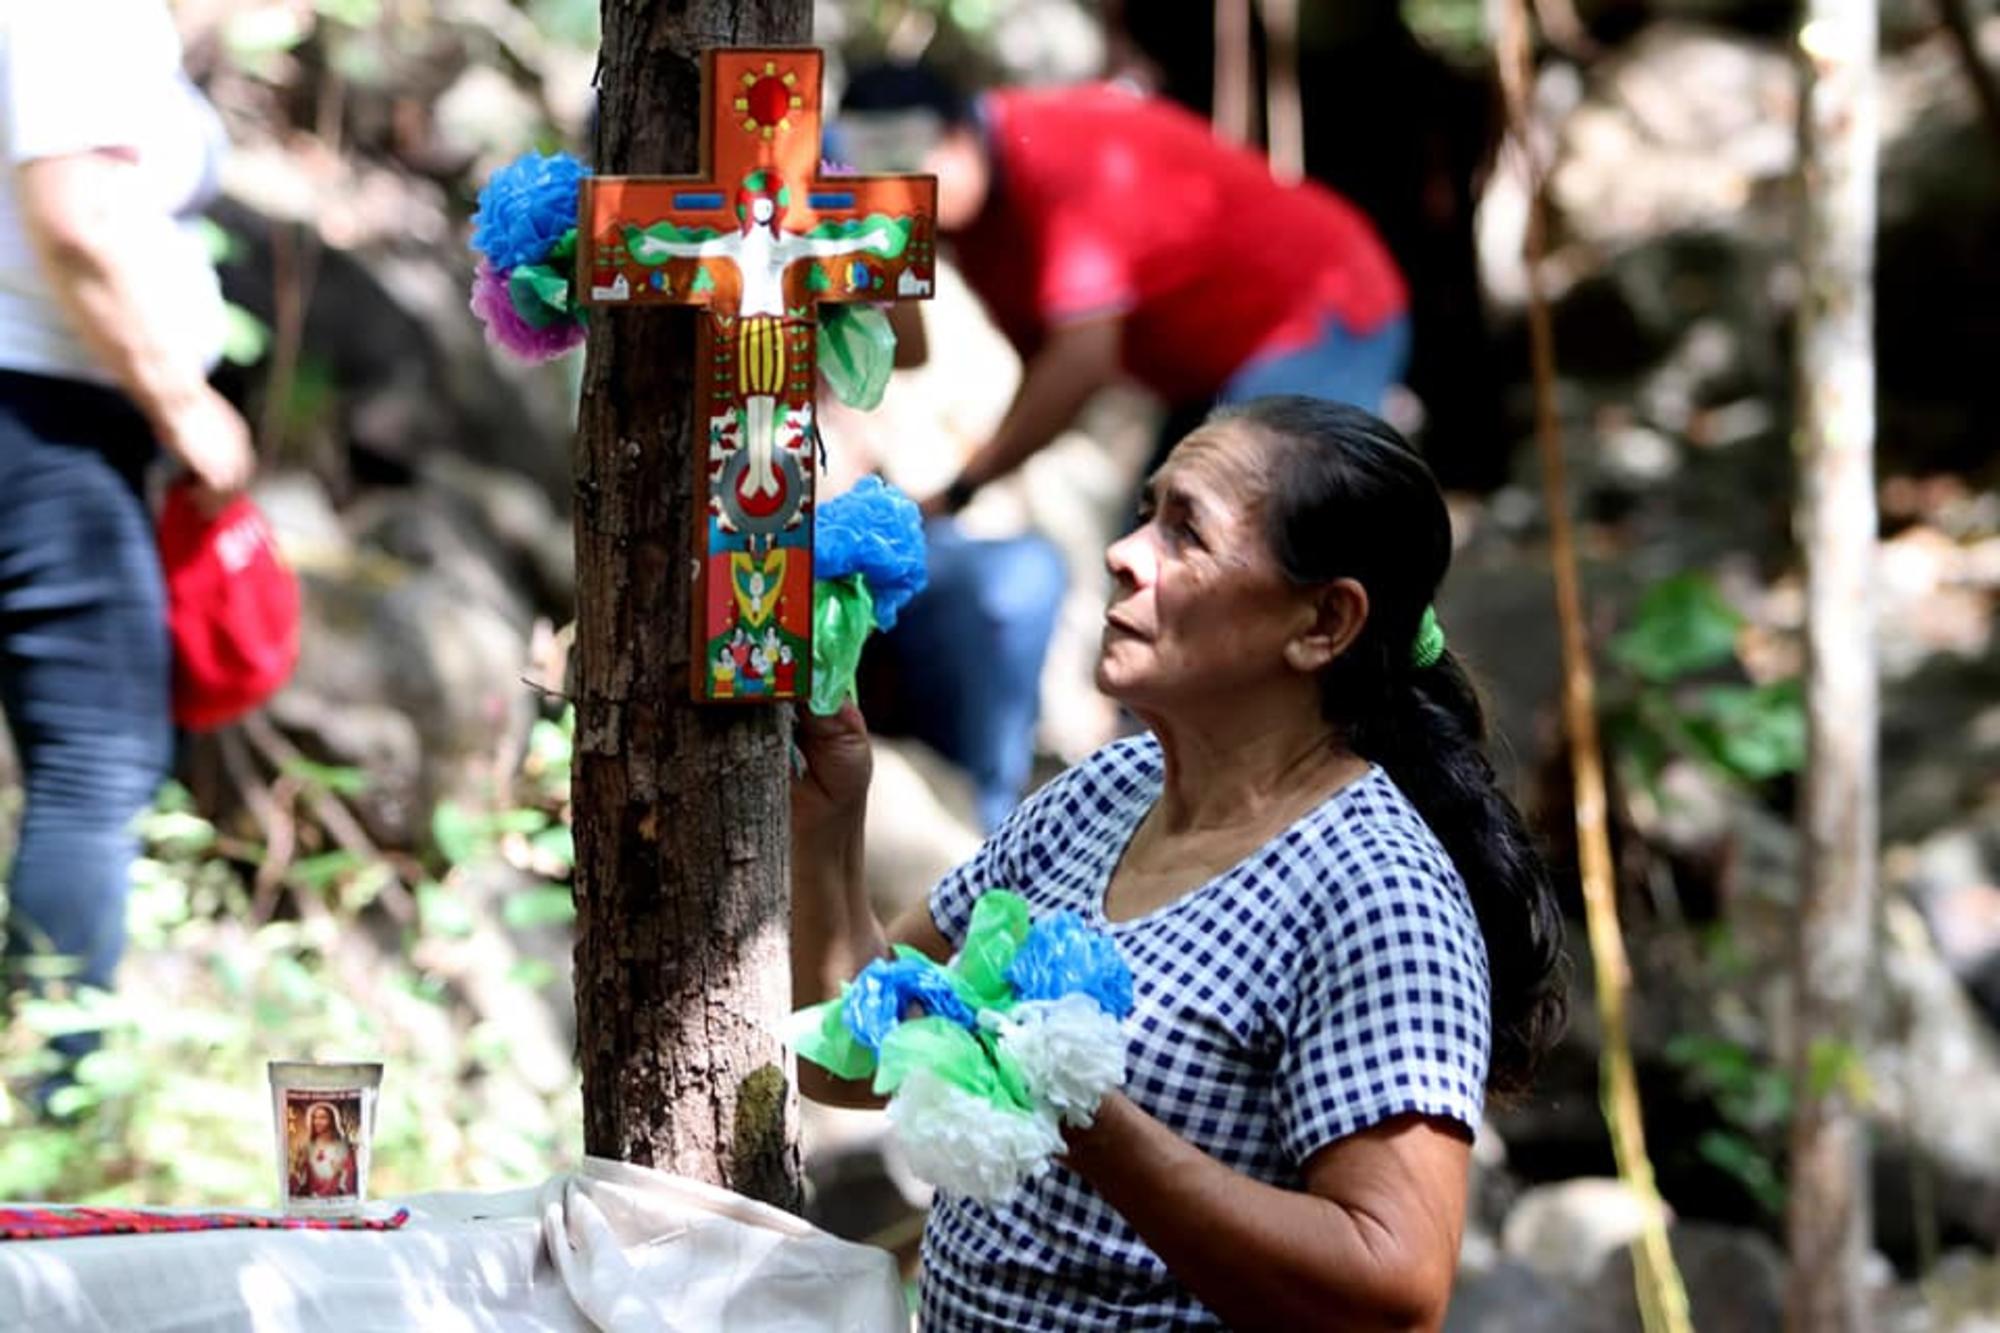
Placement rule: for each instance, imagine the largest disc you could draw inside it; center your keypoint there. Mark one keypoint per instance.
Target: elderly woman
(1339, 933)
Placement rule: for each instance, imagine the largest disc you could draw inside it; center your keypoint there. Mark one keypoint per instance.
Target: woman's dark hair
(1349, 498)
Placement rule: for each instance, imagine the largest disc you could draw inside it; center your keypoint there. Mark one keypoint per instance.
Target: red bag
(232, 607)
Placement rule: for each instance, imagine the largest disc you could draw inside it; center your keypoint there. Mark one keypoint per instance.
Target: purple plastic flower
(1063, 957)
(525, 208)
(876, 531)
(880, 996)
(505, 327)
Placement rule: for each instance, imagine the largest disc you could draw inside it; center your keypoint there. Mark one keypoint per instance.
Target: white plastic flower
(964, 1144)
(1069, 1050)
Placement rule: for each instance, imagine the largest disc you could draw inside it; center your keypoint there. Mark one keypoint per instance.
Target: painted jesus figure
(324, 1165)
(761, 252)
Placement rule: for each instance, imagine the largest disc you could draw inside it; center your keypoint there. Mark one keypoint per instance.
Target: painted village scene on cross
(942, 665)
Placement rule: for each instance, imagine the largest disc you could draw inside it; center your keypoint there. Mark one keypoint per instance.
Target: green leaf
(548, 905)
(245, 338)
(1683, 625)
(1743, 1161)
(460, 837)
(176, 833)
(318, 873)
(573, 22)
(220, 244)
(531, 973)
(1833, 1064)
(1754, 732)
(110, 1073)
(354, 13)
(523, 821)
(442, 913)
(338, 779)
(557, 844)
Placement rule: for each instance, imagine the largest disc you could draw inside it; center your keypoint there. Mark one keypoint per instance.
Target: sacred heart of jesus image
(758, 240)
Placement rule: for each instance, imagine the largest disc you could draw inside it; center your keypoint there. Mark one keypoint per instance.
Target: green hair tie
(1428, 646)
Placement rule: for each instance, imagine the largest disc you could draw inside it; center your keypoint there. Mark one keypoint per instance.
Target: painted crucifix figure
(760, 239)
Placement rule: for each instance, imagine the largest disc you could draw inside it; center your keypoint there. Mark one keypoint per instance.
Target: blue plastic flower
(879, 998)
(1061, 957)
(873, 530)
(525, 208)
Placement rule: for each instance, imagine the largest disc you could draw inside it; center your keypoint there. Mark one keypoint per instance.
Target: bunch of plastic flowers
(868, 561)
(525, 234)
(984, 1060)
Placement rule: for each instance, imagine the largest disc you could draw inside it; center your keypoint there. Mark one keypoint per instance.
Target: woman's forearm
(73, 208)
(1075, 362)
(1259, 1256)
(834, 929)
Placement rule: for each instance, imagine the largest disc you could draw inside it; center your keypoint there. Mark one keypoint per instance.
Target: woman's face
(1199, 609)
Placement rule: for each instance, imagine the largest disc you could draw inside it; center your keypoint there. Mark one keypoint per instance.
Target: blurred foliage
(1754, 1100)
(1669, 699)
(1453, 27)
(1664, 701)
(174, 1106)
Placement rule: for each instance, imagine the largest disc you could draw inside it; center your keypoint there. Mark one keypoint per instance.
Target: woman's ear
(1340, 612)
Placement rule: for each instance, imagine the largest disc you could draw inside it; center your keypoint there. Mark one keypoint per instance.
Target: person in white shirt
(110, 319)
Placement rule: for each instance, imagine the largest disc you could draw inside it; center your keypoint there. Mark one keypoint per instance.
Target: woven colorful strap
(57, 1223)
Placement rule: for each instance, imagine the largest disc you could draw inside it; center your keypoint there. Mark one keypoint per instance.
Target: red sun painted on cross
(768, 100)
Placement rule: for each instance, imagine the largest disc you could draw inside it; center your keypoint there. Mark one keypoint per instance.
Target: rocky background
(420, 483)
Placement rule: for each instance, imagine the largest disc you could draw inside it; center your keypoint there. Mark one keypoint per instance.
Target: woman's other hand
(830, 784)
(210, 437)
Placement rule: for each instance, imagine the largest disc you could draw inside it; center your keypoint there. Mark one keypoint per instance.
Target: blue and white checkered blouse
(1334, 978)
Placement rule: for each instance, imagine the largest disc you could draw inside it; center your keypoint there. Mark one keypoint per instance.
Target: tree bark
(1828, 1213)
(682, 868)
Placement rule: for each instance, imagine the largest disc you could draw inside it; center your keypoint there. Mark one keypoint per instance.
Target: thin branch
(1233, 77)
(1662, 1298)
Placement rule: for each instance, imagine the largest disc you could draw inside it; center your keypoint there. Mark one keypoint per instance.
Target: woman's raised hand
(832, 769)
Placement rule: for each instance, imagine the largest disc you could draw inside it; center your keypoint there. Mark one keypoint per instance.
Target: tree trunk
(681, 812)
(1829, 1217)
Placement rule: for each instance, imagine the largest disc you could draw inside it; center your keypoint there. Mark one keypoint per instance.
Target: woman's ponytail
(1431, 742)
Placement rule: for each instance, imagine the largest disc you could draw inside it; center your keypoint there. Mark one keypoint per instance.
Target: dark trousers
(84, 660)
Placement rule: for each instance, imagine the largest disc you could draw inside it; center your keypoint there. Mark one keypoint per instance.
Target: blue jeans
(962, 670)
(84, 661)
(1341, 365)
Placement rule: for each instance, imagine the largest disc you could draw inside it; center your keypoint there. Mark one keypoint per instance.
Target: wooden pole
(1828, 1217)
(682, 872)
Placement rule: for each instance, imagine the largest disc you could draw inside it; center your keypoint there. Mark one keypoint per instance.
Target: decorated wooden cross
(759, 240)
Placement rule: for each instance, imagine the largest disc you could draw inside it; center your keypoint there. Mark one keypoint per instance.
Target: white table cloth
(612, 1247)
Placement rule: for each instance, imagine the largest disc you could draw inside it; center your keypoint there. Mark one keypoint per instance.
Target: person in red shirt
(1111, 234)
